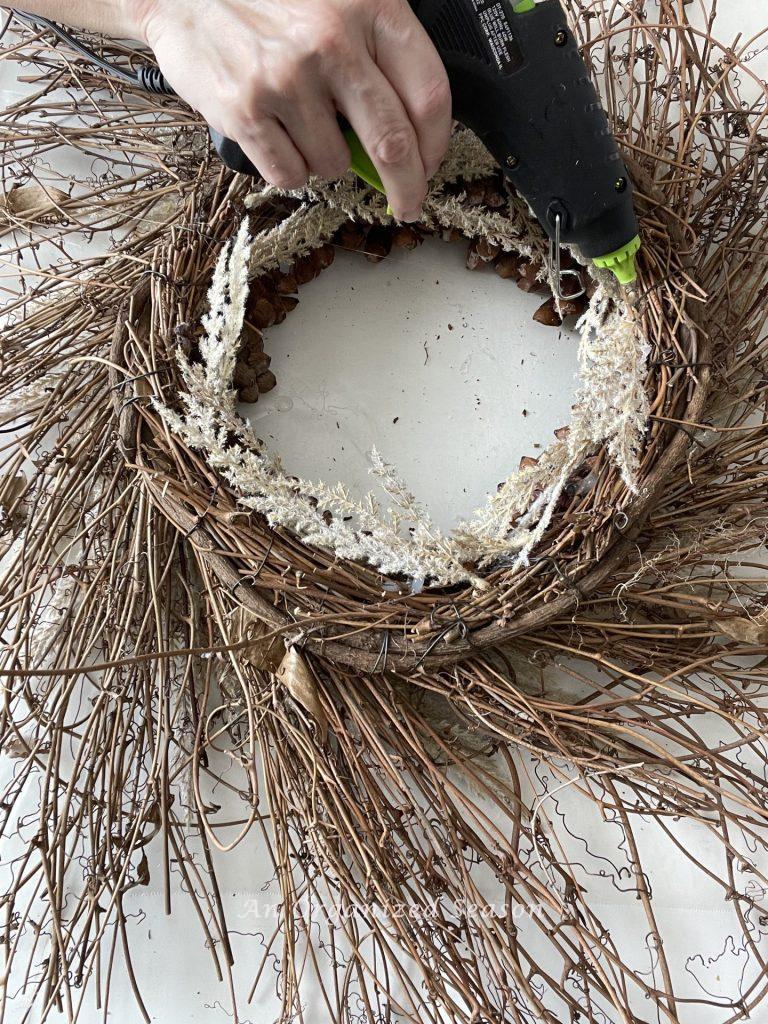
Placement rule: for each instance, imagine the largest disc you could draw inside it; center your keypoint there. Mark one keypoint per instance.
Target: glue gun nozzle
(622, 262)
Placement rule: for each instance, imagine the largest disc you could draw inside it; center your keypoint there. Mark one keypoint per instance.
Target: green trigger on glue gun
(361, 163)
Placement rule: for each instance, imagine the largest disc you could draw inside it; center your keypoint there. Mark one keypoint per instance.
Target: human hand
(272, 75)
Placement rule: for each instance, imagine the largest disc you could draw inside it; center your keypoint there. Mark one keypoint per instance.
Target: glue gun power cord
(147, 77)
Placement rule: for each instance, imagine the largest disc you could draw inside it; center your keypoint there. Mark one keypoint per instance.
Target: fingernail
(412, 215)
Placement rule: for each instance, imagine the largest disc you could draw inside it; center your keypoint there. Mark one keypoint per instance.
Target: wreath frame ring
(205, 514)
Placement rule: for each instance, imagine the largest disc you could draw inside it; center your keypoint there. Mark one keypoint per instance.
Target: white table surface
(441, 368)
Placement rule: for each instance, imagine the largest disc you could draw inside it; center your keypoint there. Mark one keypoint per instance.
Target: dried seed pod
(378, 243)
(294, 673)
(249, 394)
(507, 266)
(351, 236)
(562, 433)
(528, 462)
(405, 236)
(280, 311)
(266, 381)
(423, 626)
(262, 314)
(289, 302)
(265, 651)
(547, 314)
(454, 634)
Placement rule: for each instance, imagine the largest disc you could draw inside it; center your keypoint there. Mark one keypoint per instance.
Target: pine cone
(258, 362)
(476, 191)
(481, 252)
(286, 284)
(261, 314)
(494, 197)
(252, 343)
(261, 288)
(266, 382)
(487, 250)
(508, 266)
(474, 260)
(244, 376)
(574, 307)
(528, 280)
(249, 394)
(306, 268)
(351, 236)
(378, 244)
(547, 314)
(405, 236)
(324, 256)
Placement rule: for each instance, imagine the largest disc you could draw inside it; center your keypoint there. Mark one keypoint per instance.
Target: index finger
(406, 56)
(381, 122)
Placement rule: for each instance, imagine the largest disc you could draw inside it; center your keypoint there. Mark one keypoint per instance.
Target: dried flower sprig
(321, 515)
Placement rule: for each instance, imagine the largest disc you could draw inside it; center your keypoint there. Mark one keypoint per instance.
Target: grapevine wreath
(526, 558)
(401, 716)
